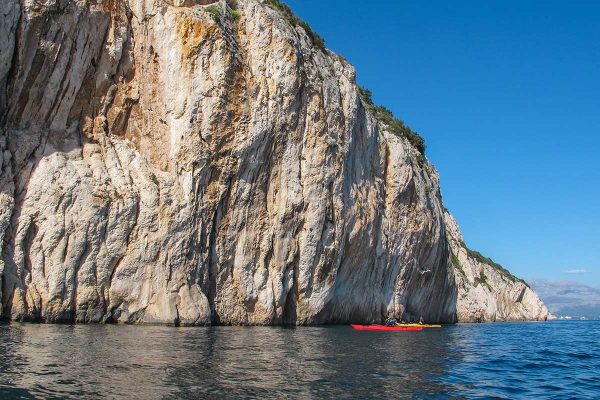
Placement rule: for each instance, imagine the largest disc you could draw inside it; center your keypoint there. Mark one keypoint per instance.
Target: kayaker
(421, 320)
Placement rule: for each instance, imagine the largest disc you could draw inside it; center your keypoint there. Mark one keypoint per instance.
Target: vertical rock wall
(163, 165)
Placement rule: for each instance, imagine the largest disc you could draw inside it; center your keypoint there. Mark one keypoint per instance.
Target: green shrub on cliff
(486, 260)
(456, 263)
(215, 12)
(482, 279)
(287, 12)
(394, 125)
(366, 95)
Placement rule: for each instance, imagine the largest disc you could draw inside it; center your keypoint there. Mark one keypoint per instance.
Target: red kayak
(386, 328)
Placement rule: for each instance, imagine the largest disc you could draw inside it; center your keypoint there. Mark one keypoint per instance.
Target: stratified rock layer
(164, 164)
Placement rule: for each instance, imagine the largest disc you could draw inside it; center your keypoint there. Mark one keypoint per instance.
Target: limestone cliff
(171, 162)
(486, 291)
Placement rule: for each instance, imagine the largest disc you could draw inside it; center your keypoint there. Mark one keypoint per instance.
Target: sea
(551, 360)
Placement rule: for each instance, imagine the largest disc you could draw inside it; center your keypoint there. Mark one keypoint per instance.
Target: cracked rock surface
(163, 165)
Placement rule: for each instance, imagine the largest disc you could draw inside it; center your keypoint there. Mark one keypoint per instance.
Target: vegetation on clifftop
(290, 17)
(486, 260)
(215, 12)
(394, 125)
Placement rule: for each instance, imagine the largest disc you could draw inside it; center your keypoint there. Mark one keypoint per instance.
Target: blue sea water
(514, 360)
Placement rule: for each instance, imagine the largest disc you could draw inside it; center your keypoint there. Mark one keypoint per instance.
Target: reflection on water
(508, 360)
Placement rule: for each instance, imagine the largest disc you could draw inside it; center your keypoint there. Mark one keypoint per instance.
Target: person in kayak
(421, 320)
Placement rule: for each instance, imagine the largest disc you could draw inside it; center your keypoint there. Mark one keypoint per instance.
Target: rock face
(165, 164)
(486, 291)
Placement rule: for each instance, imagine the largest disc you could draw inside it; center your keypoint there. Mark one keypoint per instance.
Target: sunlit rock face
(163, 165)
(486, 291)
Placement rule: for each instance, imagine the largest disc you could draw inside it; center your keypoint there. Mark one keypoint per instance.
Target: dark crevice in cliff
(213, 265)
(177, 321)
(290, 310)
(2, 286)
(521, 295)
(136, 316)
(327, 237)
(5, 81)
(27, 245)
(8, 295)
(12, 77)
(11, 273)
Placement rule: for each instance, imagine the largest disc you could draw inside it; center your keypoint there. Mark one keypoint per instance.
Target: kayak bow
(386, 328)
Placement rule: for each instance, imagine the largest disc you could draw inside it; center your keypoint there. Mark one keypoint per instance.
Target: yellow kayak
(421, 325)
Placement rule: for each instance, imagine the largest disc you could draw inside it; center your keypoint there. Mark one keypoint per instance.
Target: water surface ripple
(526, 360)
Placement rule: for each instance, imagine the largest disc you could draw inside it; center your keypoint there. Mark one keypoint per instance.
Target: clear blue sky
(507, 97)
